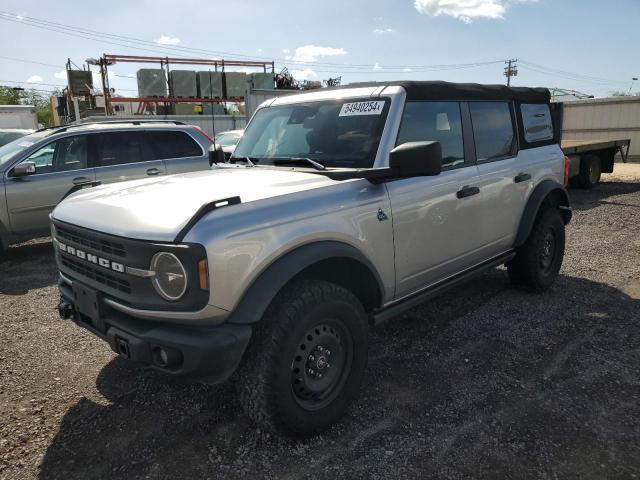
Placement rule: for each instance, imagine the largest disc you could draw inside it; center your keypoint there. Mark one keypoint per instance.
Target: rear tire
(538, 261)
(590, 171)
(307, 359)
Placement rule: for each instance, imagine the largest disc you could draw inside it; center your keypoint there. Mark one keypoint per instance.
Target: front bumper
(209, 354)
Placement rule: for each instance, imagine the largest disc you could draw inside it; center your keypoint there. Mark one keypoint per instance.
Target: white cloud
(306, 74)
(466, 10)
(380, 31)
(167, 40)
(407, 69)
(61, 75)
(34, 79)
(311, 53)
(286, 50)
(377, 66)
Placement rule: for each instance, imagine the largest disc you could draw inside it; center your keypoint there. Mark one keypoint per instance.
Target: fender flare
(544, 190)
(256, 299)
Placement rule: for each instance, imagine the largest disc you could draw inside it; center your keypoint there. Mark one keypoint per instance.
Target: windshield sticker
(362, 108)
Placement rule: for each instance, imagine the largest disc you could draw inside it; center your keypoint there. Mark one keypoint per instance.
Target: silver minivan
(39, 170)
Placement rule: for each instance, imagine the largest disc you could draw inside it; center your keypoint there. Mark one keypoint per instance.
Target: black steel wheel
(306, 360)
(537, 262)
(321, 364)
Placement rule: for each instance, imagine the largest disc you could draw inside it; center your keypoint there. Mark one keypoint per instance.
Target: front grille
(91, 241)
(96, 274)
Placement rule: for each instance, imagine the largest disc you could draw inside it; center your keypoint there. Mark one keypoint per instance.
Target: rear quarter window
(536, 122)
(166, 144)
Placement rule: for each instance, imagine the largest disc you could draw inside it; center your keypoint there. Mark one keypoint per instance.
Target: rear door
(123, 155)
(179, 150)
(505, 180)
(436, 219)
(61, 167)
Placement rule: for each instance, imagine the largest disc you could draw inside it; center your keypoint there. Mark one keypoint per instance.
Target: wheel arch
(331, 261)
(547, 193)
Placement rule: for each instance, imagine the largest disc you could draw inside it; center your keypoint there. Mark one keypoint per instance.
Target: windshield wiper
(293, 160)
(246, 159)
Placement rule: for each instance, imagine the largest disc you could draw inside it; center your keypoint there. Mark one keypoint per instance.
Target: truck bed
(572, 147)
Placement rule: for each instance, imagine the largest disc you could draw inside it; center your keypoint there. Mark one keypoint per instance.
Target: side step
(402, 305)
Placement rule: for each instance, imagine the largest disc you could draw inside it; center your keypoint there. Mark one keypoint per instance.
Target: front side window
(492, 129)
(536, 121)
(434, 121)
(63, 155)
(336, 133)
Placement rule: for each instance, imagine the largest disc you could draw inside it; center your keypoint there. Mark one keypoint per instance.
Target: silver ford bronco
(339, 209)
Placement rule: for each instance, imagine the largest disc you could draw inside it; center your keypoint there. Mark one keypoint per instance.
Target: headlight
(170, 279)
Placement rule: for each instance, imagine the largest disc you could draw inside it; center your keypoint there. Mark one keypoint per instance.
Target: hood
(158, 208)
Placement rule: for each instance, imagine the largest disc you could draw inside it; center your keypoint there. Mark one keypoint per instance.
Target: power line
(143, 44)
(568, 75)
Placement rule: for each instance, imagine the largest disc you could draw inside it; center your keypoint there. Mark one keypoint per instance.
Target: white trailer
(18, 116)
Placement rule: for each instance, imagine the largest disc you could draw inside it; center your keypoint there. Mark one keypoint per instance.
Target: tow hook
(65, 309)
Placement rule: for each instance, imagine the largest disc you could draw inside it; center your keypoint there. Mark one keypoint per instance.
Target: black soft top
(437, 90)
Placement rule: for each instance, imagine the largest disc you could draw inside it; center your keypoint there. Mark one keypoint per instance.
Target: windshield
(342, 133)
(11, 149)
(6, 137)
(228, 139)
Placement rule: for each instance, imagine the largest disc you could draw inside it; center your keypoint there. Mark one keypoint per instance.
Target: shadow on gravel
(483, 382)
(28, 266)
(588, 199)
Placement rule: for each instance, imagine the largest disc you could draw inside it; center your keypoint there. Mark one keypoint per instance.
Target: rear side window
(434, 121)
(167, 144)
(117, 148)
(492, 129)
(536, 122)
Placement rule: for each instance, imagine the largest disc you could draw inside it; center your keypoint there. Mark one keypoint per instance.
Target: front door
(436, 219)
(61, 167)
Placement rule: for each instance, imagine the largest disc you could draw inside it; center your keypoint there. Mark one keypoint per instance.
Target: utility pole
(511, 70)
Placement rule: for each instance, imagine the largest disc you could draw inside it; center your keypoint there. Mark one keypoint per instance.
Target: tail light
(204, 133)
(566, 171)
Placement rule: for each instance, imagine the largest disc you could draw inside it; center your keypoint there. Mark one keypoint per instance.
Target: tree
(9, 96)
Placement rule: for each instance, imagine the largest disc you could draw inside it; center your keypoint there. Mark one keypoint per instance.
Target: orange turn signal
(203, 274)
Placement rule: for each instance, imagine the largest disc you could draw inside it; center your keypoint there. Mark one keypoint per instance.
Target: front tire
(307, 359)
(538, 261)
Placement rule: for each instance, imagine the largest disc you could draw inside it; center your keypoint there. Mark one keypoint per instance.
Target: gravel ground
(485, 382)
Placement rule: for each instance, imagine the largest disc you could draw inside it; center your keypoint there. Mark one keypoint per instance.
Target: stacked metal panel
(152, 82)
(261, 81)
(210, 85)
(183, 83)
(235, 84)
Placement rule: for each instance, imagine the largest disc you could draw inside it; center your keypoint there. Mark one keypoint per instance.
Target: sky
(587, 45)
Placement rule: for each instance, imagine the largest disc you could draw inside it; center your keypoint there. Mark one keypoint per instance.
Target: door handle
(81, 180)
(153, 171)
(522, 177)
(467, 191)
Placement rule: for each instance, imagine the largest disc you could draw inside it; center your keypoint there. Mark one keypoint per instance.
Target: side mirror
(216, 155)
(24, 169)
(416, 159)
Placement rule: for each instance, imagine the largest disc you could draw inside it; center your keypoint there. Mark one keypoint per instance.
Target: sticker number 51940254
(361, 108)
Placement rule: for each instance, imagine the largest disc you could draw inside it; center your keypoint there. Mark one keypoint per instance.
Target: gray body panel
(426, 234)
(26, 202)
